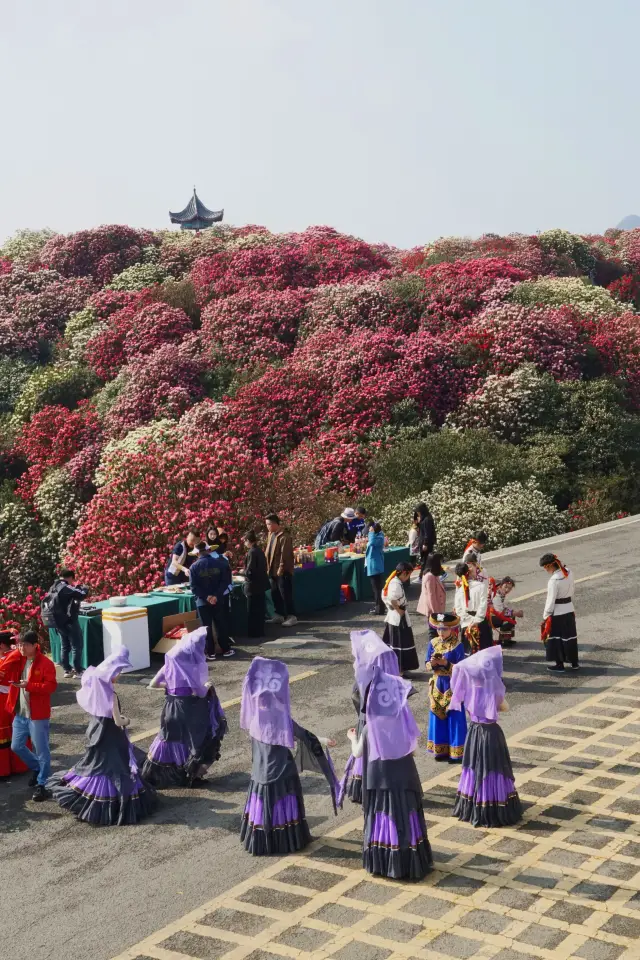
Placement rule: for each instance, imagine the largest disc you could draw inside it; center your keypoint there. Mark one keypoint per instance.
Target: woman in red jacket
(31, 679)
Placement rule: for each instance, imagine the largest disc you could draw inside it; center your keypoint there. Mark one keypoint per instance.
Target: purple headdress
(185, 667)
(370, 651)
(392, 731)
(477, 683)
(265, 711)
(96, 694)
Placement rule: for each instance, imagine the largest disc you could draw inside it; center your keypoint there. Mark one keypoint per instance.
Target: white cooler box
(127, 626)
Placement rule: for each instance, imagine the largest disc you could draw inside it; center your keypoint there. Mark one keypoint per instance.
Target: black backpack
(50, 607)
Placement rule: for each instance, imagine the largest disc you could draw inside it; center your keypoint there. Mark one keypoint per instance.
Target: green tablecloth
(313, 589)
(355, 575)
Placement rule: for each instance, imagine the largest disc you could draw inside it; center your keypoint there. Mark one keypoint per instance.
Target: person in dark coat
(426, 533)
(256, 584)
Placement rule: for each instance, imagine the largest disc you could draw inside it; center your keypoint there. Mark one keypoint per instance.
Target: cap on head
(444, 621)
(348, 513)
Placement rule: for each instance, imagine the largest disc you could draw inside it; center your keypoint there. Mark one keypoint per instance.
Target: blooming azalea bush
(238, 371)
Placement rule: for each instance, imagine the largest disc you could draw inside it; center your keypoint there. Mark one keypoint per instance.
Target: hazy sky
(395, 120)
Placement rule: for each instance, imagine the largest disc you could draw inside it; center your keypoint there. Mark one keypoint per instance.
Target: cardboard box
(189, 620)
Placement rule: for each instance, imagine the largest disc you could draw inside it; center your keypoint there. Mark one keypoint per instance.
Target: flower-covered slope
(154, 380)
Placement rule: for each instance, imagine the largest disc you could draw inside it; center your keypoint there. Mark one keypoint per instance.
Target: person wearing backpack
(60, 609)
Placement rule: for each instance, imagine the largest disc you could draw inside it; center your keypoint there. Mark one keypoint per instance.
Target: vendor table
(355, 575)
(314, 589)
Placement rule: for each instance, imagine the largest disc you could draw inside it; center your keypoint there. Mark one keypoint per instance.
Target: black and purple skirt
(396, 844)
(104, 788)
(487, 795)
(191, 732)
(274, 822)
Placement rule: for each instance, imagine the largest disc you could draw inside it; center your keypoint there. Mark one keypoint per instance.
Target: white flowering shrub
(574, 292)
(162, 432)
(511, 407)
(571, 245)
(14, 373)
(81, 327)
(58, 506)
(469, 499)
(25, 245)
(139, 277)
(26, 556)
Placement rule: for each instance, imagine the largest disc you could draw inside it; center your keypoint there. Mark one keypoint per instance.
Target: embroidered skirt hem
(274, 822)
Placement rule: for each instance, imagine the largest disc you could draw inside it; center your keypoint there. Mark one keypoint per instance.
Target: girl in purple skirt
(368, 650)
(104, 787)
(274, 817)
(395, 833)
(487, 795)
(192, 724)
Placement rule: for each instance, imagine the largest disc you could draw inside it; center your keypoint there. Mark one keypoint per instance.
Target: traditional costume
(10, 763)
(274, 818)
(192, 724)
(397, 631)
(502, 617)
(487, 795)
(559, 632)
(368, 651)
(104, 787)
(395, 834)
(471, 602)
(447, 728)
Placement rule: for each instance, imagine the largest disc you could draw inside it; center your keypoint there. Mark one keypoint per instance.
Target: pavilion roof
(195, 214)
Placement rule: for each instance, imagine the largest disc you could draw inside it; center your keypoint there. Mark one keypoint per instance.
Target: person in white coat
(558, 629)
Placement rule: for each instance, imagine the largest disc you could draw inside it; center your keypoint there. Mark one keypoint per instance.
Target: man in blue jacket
(210, 577)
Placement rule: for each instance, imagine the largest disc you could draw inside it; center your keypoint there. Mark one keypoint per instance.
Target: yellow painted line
(228, 703)
(400, 906)
(542, 593)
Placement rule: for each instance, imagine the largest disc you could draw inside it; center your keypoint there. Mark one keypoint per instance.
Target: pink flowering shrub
(100, 253)
(510, 335)
(161, 384)
(254, 326)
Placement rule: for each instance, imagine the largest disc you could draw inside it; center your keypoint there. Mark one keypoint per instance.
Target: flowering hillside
(154, 380)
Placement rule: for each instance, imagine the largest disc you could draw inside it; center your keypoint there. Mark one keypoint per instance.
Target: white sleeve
(458, 603)
(551, 598)
(481, 608)
(357, 746)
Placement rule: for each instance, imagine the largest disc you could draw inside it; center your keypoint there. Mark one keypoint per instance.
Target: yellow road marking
(228, 703)
(541, 593)
(515, 874)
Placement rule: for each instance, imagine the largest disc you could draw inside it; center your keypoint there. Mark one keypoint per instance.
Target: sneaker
(33, 780)
(229, 653)
(290, 621)
(41, 793)
(574, 666)
(556, 668)
(276, 619)
(210, 657)
(68, 674)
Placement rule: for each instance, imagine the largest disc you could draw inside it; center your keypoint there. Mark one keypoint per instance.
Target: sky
(398, 121)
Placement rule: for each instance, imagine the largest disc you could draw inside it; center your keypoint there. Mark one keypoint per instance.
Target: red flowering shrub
(100, 253)
(454, 290)
(358, 406)
(125, 539)
(135, 330)
(627, 289)
(436, 375)
(5, 266)
(24, 614)
(54, 436)
(617, 343)
(254, 326)
(337, 462)
(275, 413)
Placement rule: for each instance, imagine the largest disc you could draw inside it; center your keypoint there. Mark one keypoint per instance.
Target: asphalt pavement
(83, 892)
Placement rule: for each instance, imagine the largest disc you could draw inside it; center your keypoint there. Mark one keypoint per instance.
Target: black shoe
(41, 793)
(556, 668)
(33, 780)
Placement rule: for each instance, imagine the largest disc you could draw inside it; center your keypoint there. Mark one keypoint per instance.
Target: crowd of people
(111, 784)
